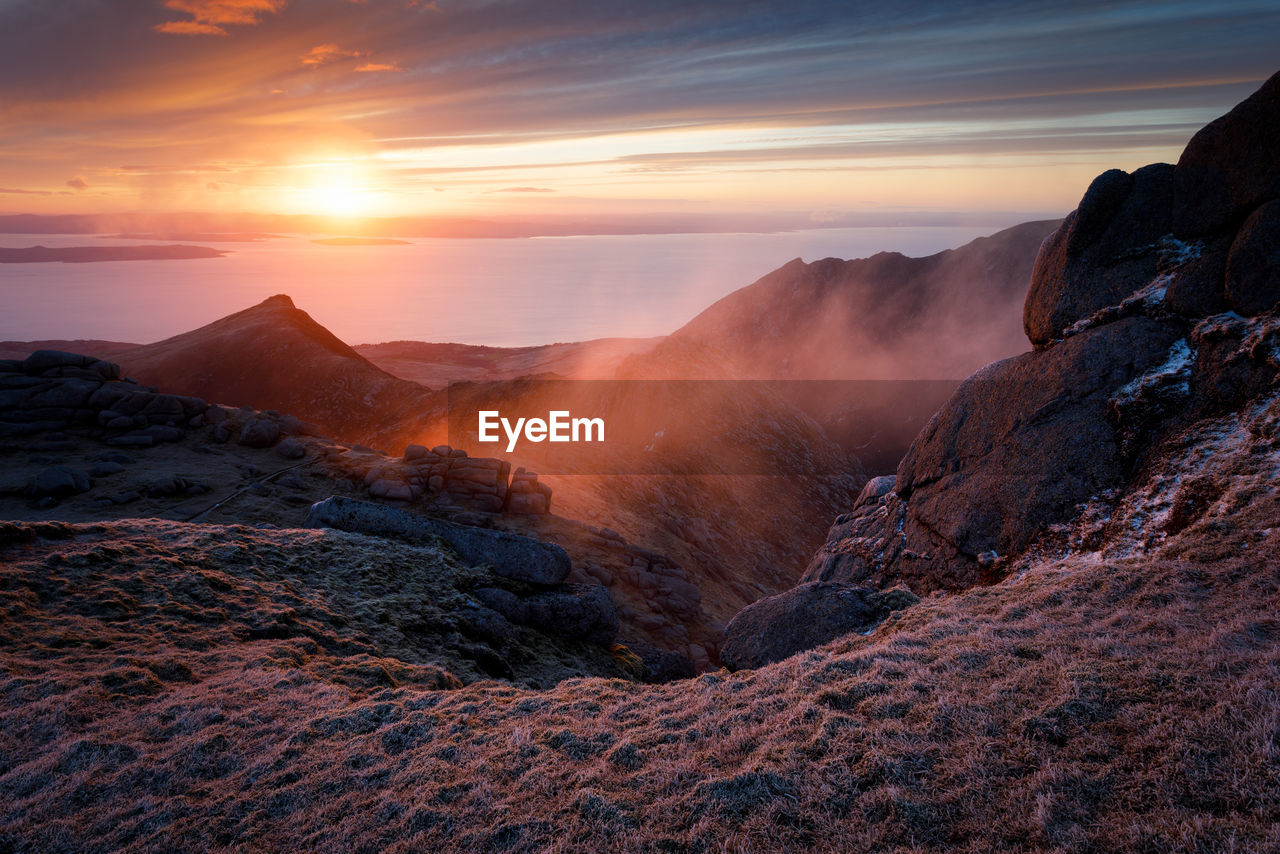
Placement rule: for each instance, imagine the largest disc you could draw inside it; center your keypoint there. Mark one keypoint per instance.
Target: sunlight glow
(339, 190)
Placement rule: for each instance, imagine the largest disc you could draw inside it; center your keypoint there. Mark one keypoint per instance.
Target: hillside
(883, 317)
(437, 365)
(274, 356)
(1096, 703)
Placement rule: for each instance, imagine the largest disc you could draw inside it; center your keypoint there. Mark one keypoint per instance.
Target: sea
(500, 292)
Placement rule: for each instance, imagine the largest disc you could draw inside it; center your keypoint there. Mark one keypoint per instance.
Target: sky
(834, 110)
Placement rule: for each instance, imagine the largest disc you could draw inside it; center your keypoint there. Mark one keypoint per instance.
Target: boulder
(396, 490)
(1196, 287)
(1103, 252)
(578, 611)
(163, 433)
(805, 617)
(1021, 443)
(583, 611)
(663, 665)
(73, 393)
(1230, 167)
(1015, 449)
(259, 433)
(875, 488)
(1253, 265)
(58, 481)
(170, 486)
(484, 624)
(44, 361)
(510, 555)
(291, 449)
(527, 503)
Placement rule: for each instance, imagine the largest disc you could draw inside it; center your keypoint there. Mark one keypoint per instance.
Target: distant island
(360, 241)
(197, 236)
(84, 254)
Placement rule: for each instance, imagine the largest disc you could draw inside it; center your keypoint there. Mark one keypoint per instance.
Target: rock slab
(511, 555)
(805, 617)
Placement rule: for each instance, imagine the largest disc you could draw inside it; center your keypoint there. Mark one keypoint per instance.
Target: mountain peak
(277, 301)
(274, 355)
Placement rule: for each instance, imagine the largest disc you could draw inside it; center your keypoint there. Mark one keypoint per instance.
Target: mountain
(438, 365)
(1143, 417)
(869, 348)
(274, 356)
(23, 349)
(883, 317)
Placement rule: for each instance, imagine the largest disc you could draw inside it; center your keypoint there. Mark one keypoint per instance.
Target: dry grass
(1103, 705)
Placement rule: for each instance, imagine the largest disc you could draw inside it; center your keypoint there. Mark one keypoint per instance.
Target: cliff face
(1153, 311)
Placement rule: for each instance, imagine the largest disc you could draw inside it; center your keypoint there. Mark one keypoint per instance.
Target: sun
(339, 191)
(339, 198)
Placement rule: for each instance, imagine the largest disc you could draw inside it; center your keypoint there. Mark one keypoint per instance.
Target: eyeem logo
(558, 427)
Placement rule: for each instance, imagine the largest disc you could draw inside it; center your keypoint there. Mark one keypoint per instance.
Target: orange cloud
(378, 66)
(78, 184)
(326, 53)
(209, 16)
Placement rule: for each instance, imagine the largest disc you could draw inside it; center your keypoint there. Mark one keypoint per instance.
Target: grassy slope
(1089, 703)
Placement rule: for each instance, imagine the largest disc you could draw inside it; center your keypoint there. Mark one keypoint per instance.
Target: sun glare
(338, 191)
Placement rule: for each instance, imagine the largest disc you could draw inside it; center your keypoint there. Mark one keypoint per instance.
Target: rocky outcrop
(1130, 308)
(1168, 224)
(511, 556)
(1253, 264)
(574, 611)
(810, 615)
(1230, 167)
(51, 391)
(1103, 251)
(528, 586)
(483, 483)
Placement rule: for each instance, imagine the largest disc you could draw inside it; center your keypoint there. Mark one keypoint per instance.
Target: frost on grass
(1088, 703)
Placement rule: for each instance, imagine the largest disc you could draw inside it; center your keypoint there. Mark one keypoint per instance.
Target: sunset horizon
(361, 112)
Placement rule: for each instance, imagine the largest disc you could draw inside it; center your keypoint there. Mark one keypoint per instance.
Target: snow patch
(1174, 252)
(1174, 374)
(1145, 300)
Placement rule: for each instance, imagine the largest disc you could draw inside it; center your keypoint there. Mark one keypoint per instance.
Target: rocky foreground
(1086, 703)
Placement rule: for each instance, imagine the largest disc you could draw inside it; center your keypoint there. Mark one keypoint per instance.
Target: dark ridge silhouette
(88, 254)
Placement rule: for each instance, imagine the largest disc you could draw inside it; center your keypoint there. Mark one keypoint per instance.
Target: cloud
(524, 190)
(323, 54)
(379, 66)
(14, 191)
(208, 17)
(78, 184)
(213, 185)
